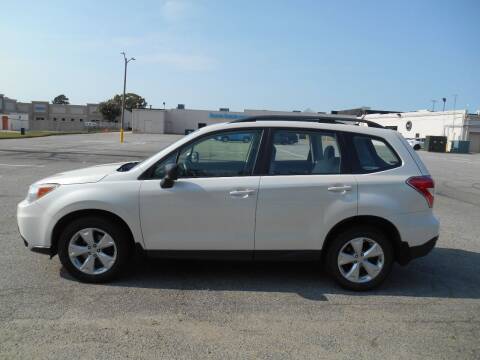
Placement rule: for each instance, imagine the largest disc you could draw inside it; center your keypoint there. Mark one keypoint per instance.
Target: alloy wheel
(92, 251)
(360, 260)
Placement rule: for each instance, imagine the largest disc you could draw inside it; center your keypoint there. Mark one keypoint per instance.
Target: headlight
(37, 191)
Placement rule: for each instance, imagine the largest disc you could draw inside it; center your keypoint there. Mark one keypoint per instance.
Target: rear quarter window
(373, 154)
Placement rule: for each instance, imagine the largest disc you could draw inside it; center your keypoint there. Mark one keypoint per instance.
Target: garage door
(474, 142)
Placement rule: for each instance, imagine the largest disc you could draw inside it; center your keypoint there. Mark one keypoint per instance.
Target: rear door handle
(340, 188)
(242, 193)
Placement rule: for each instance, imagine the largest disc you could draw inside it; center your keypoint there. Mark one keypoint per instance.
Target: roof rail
(326, 119)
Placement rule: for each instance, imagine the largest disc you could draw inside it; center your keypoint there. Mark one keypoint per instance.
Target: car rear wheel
(93, 249)
(417, 147)
(360, 259)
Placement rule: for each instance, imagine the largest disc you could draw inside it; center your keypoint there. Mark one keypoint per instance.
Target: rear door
(305, 190)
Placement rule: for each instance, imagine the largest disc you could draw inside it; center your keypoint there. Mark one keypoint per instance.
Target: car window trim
(263, 156)
(148, 174)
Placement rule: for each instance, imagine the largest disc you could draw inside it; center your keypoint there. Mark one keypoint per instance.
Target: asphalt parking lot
(428, 309)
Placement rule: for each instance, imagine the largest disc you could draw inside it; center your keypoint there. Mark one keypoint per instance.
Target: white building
(14, 121)
(59, 117)
(455, 125)
(177, 121)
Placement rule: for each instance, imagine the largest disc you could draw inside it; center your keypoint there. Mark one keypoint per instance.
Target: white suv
(313, 188)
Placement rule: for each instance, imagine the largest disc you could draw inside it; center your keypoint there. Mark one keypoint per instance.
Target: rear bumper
(417, 228)
(422, 250)
(408, 253)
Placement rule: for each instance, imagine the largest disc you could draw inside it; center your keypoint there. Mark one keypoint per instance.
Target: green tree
(61, 99)
(110, 110)
(132, 101)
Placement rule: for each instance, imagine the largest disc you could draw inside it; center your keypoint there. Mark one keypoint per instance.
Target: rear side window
(304, 153)
(374, 154)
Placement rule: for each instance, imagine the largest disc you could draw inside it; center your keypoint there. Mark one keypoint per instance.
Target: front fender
(98, 196)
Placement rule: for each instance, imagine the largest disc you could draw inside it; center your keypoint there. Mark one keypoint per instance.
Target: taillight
(425, 186)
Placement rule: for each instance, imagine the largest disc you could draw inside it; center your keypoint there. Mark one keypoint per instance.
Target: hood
(86, 175)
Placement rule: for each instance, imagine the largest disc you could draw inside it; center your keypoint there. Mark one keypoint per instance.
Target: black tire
(343, 238)
(117, 233)
(416, 147)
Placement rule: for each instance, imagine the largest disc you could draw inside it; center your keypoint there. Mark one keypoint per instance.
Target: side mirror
(171, 171)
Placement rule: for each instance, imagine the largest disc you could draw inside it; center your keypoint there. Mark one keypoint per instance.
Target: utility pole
(444, 101)
(124, 88)
(454, 108)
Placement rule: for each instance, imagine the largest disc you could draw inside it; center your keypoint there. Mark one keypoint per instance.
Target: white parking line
(22, 165)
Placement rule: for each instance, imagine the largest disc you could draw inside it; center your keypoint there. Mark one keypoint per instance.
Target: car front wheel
(93, 249)
(360, 259)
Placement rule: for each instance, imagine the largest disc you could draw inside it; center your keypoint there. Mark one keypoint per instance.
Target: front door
(304, 193)
(4, 122)
(212, 204)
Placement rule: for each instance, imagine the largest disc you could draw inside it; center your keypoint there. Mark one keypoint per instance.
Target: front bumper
(38, 249)
(408, 253)
(32, 222)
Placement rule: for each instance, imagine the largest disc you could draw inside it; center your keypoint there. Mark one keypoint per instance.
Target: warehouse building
(455, 125)
(40, 115)
(182, 120)
(14, 122)
(58, 117)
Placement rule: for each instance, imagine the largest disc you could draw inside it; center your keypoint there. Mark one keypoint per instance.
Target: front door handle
(340, 188)
(242, 193)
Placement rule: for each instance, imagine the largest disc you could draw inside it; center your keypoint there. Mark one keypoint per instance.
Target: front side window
(374, 154)
(304, 153)
(159, 169)
(223, 154)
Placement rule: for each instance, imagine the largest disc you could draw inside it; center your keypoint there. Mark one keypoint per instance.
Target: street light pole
(124, 89)
(454, 108)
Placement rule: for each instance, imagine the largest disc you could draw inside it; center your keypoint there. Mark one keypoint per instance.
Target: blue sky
(285, 55)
